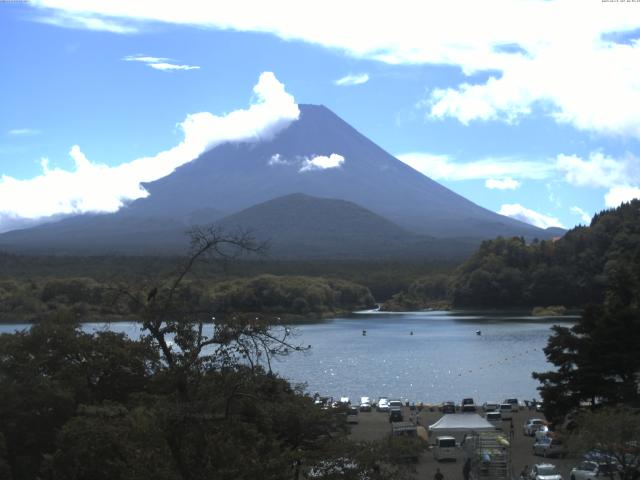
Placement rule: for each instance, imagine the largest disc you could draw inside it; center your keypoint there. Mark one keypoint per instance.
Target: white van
(445, 449)
(506, 411)
(495, 419)
(515, 406)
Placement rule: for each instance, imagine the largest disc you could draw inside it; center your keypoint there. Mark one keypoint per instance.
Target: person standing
(511, 431)
(466, 470)
(438, 475)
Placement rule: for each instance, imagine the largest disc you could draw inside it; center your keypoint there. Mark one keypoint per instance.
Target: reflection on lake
(444, 359)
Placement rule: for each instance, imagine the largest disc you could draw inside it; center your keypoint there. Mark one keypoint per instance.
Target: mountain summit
(235, 176)
(318, 155)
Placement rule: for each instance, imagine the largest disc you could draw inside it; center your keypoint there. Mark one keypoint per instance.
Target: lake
(444, 359)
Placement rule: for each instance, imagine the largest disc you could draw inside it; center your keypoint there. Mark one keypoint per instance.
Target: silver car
(588, 470)
(383, 404)
(544, 471)
(532, 426)
(550, 447)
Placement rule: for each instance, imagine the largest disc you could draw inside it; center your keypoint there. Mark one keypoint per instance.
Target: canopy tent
(458, 424)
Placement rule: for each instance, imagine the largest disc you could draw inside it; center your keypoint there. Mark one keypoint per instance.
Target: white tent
(458, 424)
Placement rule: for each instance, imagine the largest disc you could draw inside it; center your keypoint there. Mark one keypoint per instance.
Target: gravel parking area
(375, 425)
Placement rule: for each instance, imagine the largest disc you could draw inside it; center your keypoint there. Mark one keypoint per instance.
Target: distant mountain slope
(235, 176)
(301, 226)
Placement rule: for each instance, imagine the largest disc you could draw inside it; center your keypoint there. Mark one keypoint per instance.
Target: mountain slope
(235, 176)
(301, 226)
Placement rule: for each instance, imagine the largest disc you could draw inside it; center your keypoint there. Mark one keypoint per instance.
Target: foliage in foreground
(191, 399)
(612, 436)
(597, 359)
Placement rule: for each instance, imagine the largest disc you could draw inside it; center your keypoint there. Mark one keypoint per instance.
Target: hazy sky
(528, 108)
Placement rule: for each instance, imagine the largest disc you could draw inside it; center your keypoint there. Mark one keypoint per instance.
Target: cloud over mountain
(519, 212)
(94, 187)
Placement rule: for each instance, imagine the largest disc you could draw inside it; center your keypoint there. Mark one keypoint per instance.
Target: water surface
(444, 358)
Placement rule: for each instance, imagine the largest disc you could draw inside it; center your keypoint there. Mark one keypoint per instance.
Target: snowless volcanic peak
(318, 155)
(323, 156)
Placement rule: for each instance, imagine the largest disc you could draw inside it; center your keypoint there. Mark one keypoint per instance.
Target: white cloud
(599, 170)
(620, 176)
(507, 183)
(584, 216)
(276, 159)
(442, 167)
(159, 63)
(87, 21)
(321, 162)
(23, 132)
(572, 68)
(94, 187)
(349, 80)
(517, 211)
(620, 194)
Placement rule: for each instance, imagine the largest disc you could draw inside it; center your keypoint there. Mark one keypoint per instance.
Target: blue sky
(530, 108)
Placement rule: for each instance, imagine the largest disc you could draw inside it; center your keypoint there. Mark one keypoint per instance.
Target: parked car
(352, 415)
(550, 447)
(365, 404)
(506, 411)
(531, 426)
(495, 419)
(468, 405)
(542, 432)
(395, 415)
(589, 470)
(490, 407)
(445, 449)
(448, 407)
(544, 471)
(383, 404)
(515, 406)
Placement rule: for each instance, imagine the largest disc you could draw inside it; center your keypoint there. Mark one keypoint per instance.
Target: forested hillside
(573, 270)
(87, 299)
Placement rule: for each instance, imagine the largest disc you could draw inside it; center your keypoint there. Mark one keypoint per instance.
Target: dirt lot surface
(375, 425)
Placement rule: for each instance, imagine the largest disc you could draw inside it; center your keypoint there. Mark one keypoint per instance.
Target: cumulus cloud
(580, 74)
(507, 183)
(584, 216)
(598, 171)
(621, 194)
(517, 211)
(349, 80)
(277, 159)
(23, 132)
(159, 63)
(94, 187)
(321, 162)
(443, 167)
(620, 176)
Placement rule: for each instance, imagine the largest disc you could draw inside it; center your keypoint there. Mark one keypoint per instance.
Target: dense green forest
(573, 271)
(87, 299)
(383, 278)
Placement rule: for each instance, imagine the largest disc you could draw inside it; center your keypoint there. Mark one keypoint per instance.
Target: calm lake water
(444, 359)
